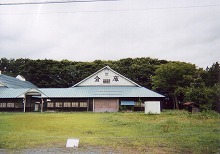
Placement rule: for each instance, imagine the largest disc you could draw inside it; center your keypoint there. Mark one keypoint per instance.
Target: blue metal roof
(11, 92)
(82, 92)
(99, 92)
(19, 92)
(12, 82)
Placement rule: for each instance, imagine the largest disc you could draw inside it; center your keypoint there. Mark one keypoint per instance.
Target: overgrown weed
(170, 125)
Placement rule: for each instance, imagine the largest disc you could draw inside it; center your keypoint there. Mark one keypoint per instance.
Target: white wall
(152, 107)
(115, 79)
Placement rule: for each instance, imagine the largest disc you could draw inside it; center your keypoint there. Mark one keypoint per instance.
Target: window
(18, 105)
(67, 104)
(75, 104)
(106, 81)
(2, 104)
(83, 104)
(59, 104)
(50, 104)
(10, 105)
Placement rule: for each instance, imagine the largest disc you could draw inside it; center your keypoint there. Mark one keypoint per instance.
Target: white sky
(180, 30)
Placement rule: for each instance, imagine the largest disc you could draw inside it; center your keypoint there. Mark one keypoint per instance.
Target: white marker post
(72, 143)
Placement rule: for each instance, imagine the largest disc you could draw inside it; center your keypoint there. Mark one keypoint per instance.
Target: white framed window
(75, 104)
(50, 104)
(83, 104)
(58, 104)
(67, 104)
(2, 105)
(10, 104)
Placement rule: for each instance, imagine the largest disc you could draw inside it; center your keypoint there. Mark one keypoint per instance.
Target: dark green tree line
(52, 73)
(178, 81)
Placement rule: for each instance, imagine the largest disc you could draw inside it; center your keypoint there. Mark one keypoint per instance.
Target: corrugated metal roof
(99, 92)
(11, 92)
(12, 82)
(18, 92)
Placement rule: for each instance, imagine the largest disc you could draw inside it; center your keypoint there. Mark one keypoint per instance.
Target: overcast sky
(180, 30)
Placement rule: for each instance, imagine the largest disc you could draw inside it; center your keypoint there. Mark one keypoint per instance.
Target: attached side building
(17, 94)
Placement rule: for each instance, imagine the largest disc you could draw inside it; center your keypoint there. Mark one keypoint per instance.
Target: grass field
(169, 132)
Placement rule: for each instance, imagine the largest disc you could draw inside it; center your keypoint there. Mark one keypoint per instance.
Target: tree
(211, 75)
(205, 97)
(172, 78)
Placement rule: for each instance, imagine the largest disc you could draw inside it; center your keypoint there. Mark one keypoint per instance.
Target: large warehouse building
(104, 91)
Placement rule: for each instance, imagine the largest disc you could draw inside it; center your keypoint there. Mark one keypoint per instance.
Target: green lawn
(169, 132)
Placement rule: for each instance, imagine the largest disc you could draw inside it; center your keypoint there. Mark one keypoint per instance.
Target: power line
(119, 10)
(55, 2)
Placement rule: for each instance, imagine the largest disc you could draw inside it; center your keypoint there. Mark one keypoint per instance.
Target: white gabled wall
(106, 77)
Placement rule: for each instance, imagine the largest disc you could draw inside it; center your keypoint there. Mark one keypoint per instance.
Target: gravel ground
(89, 150)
